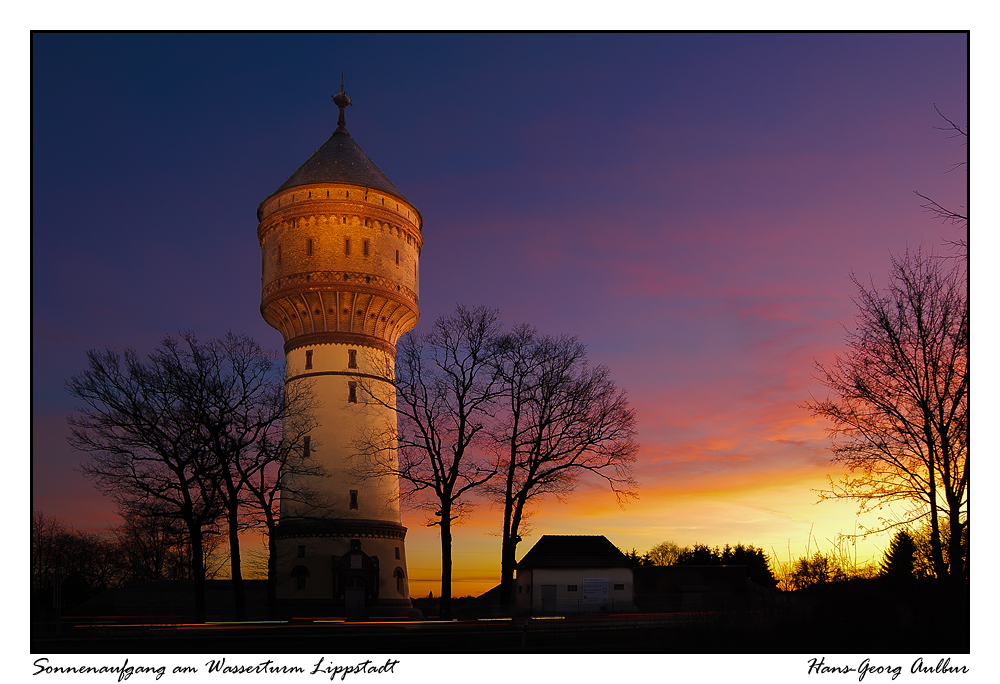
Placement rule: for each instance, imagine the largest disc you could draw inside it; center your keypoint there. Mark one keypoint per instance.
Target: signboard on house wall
(595, 589)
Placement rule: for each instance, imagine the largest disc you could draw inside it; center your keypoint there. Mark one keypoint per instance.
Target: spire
(342, 101)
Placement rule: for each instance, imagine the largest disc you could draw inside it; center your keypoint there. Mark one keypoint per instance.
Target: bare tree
(189, 435)
(234, 391)
(561, 418)
(898, 402)
(69, 566)
(947, 215)
(152, 546)
(278, 460)
(145, 447)
(445, 383)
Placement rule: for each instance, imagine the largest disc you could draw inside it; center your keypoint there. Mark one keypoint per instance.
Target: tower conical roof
(341, 160)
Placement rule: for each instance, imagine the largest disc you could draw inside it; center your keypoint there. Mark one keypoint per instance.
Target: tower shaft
(340, 250)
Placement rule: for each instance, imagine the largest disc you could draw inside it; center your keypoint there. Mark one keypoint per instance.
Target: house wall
(531, 597)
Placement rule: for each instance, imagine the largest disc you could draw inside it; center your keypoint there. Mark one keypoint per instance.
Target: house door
(354, 599)
(548, 598)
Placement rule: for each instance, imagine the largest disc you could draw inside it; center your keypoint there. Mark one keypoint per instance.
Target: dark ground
(845, 618)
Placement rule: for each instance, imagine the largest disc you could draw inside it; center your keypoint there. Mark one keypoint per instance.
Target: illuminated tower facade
(340, 246)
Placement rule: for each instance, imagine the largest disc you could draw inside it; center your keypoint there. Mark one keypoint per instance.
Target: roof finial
(342, 101)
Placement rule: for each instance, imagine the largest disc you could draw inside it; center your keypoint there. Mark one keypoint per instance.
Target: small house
(573, 574)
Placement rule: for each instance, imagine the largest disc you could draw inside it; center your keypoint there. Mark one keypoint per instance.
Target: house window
(306, 446)
(619, 587)
(354, 499)
(571, 587)
(364, 247)
(300, 573)
(352, 392)
(302, 551)
(347, 246)
(309, 359)
(352, 358)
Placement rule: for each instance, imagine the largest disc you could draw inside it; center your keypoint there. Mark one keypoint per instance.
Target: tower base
(342, 568)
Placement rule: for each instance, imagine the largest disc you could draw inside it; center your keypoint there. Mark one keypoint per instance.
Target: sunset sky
(690, 206)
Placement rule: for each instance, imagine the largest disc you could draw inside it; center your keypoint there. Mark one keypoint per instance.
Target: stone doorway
(354, 599)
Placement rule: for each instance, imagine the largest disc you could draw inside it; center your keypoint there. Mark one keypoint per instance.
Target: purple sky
(689, 205)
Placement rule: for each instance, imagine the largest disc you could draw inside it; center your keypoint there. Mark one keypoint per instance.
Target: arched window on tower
(300, 573)
(400, 587)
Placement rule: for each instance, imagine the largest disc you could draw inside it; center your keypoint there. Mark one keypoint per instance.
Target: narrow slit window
(397, 257)
(347, 246)
(309, 359)
(354, 499)
(309, 246)
(302, 551)
(352, 358)
(397, 553)
(352, 392)
(364, 247)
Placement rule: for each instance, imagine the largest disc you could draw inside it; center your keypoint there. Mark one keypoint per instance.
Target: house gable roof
(573, 551)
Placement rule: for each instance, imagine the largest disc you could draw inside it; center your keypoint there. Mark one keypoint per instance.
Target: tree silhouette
(446, 389)
(897, 566)
(945, 214)
(179, 436)
(561, 418)
(665, 553)
(144, 446)
(235, 392)
(898, 402)
(818, 569)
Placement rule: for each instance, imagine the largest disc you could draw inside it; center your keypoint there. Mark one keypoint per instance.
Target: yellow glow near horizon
(777, 514)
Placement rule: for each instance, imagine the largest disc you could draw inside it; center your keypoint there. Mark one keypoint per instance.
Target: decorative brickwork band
(349, 374)
(357, 339)
(343, 527)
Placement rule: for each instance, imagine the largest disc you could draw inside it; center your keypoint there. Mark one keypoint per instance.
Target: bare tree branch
(899, 401)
